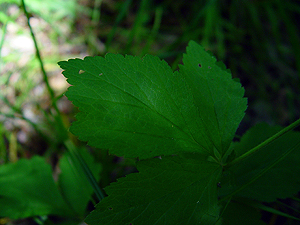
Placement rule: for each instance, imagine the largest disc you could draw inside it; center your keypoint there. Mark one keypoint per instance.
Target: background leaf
(73, 183)
(170, 190)
(255, 175)
(27, 189)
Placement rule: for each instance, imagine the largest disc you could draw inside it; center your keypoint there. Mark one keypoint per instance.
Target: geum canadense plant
(180, 125)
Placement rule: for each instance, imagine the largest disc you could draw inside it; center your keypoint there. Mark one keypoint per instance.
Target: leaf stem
(296, 146)
(88, 173)
(68, 143)
(265, 143)
(51, 92)
(45, 77)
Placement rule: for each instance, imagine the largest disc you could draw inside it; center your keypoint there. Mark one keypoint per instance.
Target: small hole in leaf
(110, 208)
(100, 74)
(199, 65)
(81, 71)
(209, 67)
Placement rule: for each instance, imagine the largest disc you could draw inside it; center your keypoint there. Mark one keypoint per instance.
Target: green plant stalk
(288, 206)
(20, 116)
(154, 31)
(135, 34)
(40, 219)
(3, 36)
(223, 210)
(265, 143)
(296, 199)
(89, 175)
(220, 36)
(12, 147)
(3, 157)
(45, 77)
(292, 31)
(119, 18)
(192, 31)
(263, 171)
(211, 20)
(96, 12)
(58, 116)
(201, 12)
(71, 161)
(50, 90)
(92, 36)
(5, 100)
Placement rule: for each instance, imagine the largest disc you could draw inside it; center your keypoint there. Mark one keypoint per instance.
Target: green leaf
(73, 183)
(139, 108)
(219, 98)
(261, 206)
(268, 174)
(167, 190)
(27, 189)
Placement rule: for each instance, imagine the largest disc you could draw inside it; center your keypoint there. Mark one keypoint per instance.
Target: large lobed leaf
(167, 190)
(139, 108)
